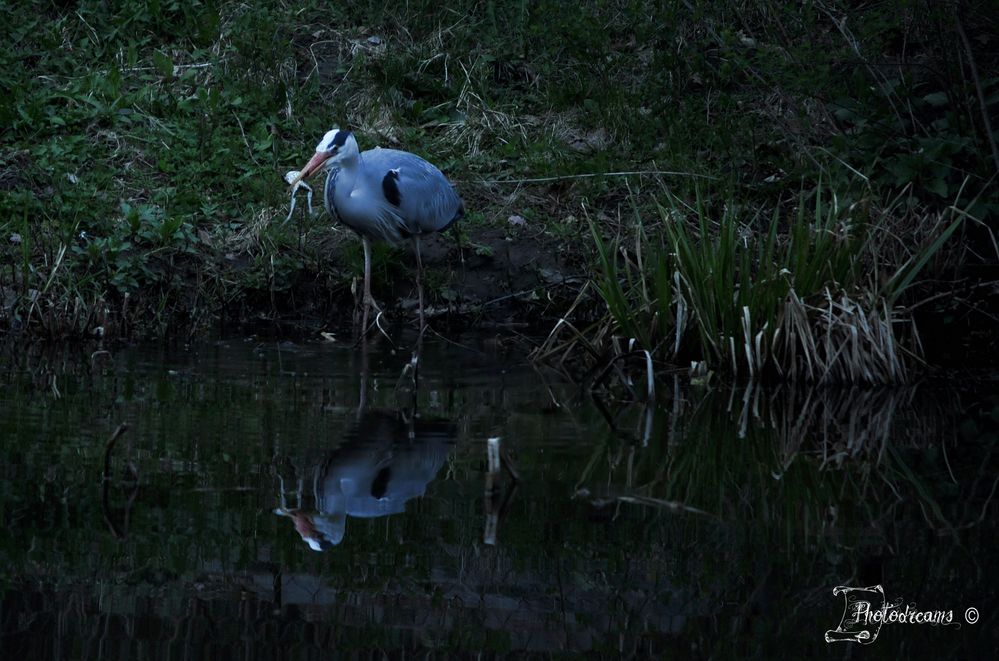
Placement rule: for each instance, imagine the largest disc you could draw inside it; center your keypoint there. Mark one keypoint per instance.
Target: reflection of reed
(131, 482)
(497, 499)
(840, 422)
(747, 451)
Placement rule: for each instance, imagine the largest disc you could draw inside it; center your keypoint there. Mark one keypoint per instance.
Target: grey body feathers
(423, 200)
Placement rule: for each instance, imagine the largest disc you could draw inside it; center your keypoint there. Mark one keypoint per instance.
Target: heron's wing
(419, 193)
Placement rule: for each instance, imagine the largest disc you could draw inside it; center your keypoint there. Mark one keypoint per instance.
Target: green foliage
(801, 299)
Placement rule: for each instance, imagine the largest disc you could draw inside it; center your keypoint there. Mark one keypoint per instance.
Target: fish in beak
(314, 164)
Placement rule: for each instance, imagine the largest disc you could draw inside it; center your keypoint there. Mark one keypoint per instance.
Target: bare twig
(176, 67)
(122, 428)
(249, 149)
(588, 175)
(507, 462)
(119, 531)
(978, 90)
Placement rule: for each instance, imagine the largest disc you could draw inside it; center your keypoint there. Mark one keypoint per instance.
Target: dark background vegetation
(143, 143)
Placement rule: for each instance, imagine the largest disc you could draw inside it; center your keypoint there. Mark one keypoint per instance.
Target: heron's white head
(337, 146)
(320, 531)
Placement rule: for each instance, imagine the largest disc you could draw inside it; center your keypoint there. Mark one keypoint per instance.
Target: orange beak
(304, 525)
(314, 163)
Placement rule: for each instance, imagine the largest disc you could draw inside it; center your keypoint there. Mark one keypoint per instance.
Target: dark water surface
(253, 513)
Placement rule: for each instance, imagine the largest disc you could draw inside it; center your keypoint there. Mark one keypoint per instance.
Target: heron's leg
(419, 282)
(461, 259)
(457, 241)
(369, 301)
(367, 283)
(423, 322)
(363, 398)
(413, 368)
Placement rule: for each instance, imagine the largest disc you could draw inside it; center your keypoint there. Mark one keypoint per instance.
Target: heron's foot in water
(369, 305)
(370, 302)
(290, 485)
(282, 467)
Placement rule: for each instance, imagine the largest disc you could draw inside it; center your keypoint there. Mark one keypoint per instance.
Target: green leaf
(907, 272)
(938, 186)
(936, 99)
(164, 64)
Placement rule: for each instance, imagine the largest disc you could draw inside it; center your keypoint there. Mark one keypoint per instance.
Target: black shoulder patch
(340, 138)
(390, 187)
(380, 484)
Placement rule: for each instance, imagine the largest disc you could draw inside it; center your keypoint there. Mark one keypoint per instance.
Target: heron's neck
(350, 196)
(349, 169)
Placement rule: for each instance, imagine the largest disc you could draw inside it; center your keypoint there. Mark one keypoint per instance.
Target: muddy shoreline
(499, 279)
(491, 277)
(515, 280)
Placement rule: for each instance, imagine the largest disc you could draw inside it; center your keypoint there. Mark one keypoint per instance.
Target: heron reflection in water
(386, 461)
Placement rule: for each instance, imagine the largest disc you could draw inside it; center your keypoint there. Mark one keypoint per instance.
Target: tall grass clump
(818, 295)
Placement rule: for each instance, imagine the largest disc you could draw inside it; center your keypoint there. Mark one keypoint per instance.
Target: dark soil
(515, 279)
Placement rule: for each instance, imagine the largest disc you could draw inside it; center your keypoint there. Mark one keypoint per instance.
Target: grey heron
(386, 460)
(383, 194)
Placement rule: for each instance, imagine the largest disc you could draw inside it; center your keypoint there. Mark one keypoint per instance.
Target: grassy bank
(143, 145)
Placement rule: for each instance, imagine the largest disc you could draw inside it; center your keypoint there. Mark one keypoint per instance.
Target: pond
(284, 499)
